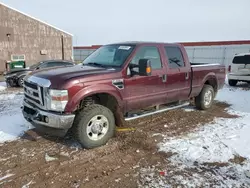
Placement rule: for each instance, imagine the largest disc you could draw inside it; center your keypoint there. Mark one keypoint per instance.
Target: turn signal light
(148, 70)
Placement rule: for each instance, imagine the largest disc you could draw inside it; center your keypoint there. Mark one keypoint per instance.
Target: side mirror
(145, 68)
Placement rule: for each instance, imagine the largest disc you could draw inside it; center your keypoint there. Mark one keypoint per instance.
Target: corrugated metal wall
(81, 54)
(215, 54)
(222, 54)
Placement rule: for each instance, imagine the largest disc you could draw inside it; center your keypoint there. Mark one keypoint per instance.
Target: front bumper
(48, 122)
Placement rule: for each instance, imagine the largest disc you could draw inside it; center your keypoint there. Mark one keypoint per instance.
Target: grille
(33, 94)
(31, 85)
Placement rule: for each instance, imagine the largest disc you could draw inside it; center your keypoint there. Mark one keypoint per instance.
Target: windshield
(34, 65)
(109, 55)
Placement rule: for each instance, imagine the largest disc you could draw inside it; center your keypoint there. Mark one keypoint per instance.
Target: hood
(59, 74)
(16, 71)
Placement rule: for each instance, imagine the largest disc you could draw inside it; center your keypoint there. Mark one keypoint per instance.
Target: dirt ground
(40, 161)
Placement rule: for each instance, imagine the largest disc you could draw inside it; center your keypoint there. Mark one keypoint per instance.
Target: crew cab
(117, 83)
(239, 70)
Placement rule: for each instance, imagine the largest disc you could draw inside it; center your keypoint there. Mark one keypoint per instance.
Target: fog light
(46, 119)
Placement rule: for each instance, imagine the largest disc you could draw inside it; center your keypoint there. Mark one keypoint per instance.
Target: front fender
(91, 90)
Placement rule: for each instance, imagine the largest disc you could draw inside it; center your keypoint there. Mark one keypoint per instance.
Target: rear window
(241, 59)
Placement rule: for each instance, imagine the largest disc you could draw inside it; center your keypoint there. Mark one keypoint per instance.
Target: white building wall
(222, 54)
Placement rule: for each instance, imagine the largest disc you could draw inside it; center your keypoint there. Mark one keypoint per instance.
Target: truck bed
(198, 70)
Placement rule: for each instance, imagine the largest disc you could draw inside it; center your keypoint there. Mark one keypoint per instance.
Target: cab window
(148, 52)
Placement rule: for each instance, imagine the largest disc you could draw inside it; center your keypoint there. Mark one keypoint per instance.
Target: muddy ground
(39, 161)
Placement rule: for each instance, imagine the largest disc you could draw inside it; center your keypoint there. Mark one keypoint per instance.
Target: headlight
(58, 99)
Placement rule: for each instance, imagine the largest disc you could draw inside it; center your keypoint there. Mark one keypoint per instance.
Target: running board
(157, 111)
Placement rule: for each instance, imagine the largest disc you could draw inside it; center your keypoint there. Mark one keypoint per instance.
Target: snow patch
(203, 158)
(237, 97)
(28, 184)
(189, 108)
(6, 176)
(216, 142)
(13, 125)
(2, 86)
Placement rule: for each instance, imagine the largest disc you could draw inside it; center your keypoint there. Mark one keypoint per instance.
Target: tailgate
(241, 65)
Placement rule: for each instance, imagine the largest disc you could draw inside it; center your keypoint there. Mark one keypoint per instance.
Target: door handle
(186, 75)
(163, 77)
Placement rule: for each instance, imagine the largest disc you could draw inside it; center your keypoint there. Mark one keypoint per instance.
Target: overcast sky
(105, 21)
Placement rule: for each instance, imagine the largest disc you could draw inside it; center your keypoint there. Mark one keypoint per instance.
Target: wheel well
(106, 100)
(212, 82)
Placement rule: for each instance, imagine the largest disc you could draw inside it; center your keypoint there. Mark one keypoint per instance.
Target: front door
(145, 91)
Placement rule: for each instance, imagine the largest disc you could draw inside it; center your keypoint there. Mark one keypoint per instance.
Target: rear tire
(232, 82)
(205, 99)
(21, 81)
(94, 126)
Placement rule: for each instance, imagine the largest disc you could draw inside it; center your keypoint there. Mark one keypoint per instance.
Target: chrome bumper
(47, 119)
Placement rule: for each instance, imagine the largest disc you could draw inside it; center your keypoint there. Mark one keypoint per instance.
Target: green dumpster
(10, 65)
(17, 64)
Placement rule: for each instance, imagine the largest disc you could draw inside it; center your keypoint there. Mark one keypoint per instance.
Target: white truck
(239, 70)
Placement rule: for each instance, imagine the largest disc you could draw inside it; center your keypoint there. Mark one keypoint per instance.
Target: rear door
(178, 77)
(185, 74)
(145, 91)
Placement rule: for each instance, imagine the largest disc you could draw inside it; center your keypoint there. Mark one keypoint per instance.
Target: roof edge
(35, 19)
(215, 43)
(186, 44)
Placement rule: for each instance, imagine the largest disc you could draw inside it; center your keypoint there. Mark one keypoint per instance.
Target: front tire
(94, 126)
(21, 81)
(232, 82)
(205, 99)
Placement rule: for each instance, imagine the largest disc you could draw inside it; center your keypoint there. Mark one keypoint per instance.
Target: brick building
(26, 37)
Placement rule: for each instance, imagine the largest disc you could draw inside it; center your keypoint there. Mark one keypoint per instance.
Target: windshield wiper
(95, 64)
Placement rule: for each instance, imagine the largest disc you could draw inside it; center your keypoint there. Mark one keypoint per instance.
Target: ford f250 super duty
(117, 83)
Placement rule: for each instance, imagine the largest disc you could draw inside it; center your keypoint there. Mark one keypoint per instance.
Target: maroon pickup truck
(117, 83)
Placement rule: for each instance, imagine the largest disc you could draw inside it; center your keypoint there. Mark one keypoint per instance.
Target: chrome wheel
(97, 127)
(21, 82)
(208, 96)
